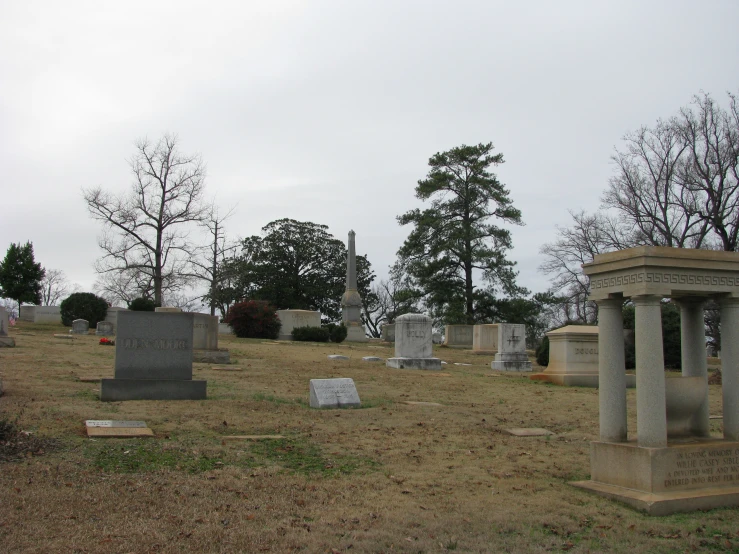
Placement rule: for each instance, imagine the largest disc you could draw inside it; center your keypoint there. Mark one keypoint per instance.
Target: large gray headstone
(153, 358)
(333, 393)
(290, 319)
(80, 327)
(154, 345)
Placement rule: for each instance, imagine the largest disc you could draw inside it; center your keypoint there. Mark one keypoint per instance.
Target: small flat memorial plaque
(119, 432)
(226, 368)
(114, 423)
(529, 432)
(252, 437)
(333, 393)
(337, 357)
(419, 403)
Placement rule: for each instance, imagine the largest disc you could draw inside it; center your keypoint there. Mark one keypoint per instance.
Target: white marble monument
(413, 346)
(290, 319)
(673, 464)
(511, 354)
(458, 336)
(80, 327)
(573, 358)
(485, 338)
(333, 393)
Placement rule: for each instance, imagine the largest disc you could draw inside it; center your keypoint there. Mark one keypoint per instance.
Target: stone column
(651, 413)
(611, 371)
(730, 365)
(693, 353)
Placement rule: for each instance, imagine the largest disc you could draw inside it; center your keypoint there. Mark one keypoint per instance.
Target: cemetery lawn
(387, 477)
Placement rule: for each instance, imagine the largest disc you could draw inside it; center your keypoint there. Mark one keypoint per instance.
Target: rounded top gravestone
(413, 336)
(80, 327)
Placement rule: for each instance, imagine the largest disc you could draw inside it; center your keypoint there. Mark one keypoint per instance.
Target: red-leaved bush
(254, 319)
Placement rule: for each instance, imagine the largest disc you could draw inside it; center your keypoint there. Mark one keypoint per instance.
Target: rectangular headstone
(205, 332)
(47, 314)
(458, 335)
(291, 319)
(153, 346)
(333, 393)
(4, 322)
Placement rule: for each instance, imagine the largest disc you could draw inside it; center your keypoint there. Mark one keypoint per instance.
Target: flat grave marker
(334, 393)
(529, 432)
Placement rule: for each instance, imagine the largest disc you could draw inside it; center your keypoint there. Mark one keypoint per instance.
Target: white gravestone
(41, 314)
(290, 319)
(205, 332)
(413, 343)
(573, 358)
(80, 327)
(388, 332)
(511, 354)
(333, 393)
(459, 336)
(104, 329)
(485, 338)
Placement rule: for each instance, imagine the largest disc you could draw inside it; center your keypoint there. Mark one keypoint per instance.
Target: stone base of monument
(7, 342)
(697, 474)
(218, 356)
(512, 361)
(355, 333)
(577, 379)
(414, 363)
(113, 390)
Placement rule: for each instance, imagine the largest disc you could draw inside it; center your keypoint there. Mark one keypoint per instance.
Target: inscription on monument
(701, 468)
(586, 351)
(156, 344)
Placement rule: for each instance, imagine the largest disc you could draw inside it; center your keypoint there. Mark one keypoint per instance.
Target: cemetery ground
(392, 476)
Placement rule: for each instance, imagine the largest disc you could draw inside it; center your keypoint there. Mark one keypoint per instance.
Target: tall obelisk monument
(351, 302)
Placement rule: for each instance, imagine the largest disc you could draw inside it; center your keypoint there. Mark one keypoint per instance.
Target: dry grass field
(389, 477)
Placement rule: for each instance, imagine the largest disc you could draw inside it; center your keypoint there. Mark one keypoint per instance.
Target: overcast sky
(328, 111)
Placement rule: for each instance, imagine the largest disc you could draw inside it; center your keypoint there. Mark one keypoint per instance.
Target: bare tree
(210, 263)
(146, 229)
(589, 234)
(390, 298)
(711, 134)
(648, 192)
(54, 287)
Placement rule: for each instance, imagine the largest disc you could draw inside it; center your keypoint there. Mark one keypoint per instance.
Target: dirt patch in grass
(389, 477)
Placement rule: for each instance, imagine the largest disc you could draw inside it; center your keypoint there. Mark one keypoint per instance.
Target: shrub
(83, 305)
(142, 305)
(542, 352)
(254, 319)
(312, 334)
(337, 333)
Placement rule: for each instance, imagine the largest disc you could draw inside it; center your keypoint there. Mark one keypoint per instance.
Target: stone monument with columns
(673, 463)
(351, 302)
